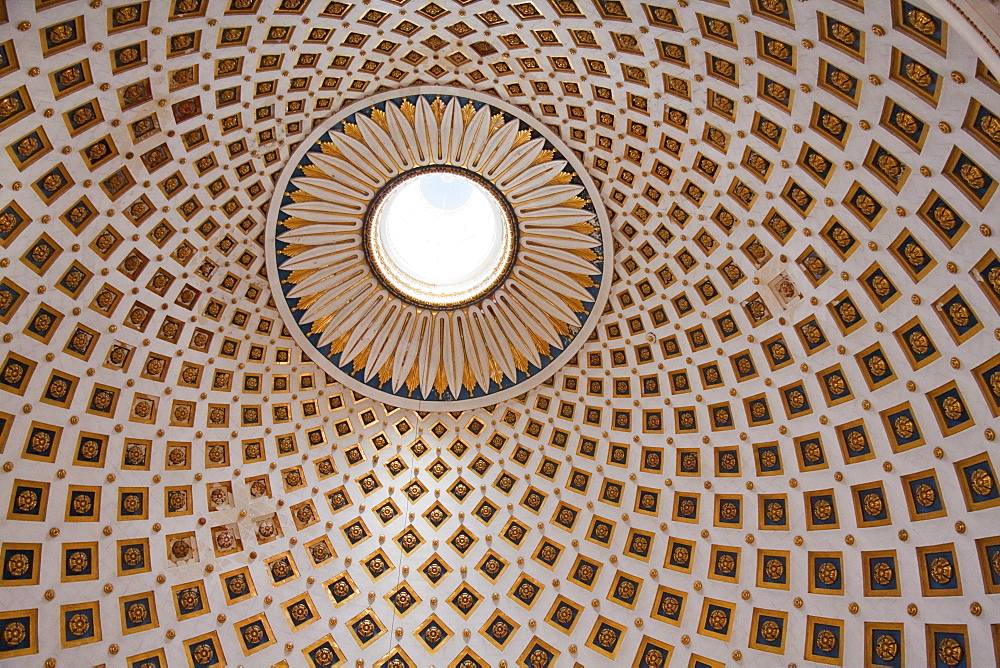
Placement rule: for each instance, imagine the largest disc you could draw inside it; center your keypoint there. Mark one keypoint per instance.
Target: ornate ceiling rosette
(520, 311)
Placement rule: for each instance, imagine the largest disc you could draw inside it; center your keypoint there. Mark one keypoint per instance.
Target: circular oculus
(440, 236)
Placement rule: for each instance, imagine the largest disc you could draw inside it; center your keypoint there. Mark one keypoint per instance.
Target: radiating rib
(543, 297)
(386, 339)
(409, 346)
(319, 256)
(359, 287)
(362, 157)
(362, 337)
(430, 359)
(351, 309)
(546, 274)
(330, 279)
(567, 260)
(497, 343)
(545, 196)
(540, 324)
(477, 133)
(555, 216)
(563, 239)
(516, 329)
(472, 349)
(452, 356)
(379, 140)
(516, 160)
(342, 170)
(497, 148)
(325, 189)
(401, 131)
(533, 177)
(452, 129)
(425, 129)
(323, 212)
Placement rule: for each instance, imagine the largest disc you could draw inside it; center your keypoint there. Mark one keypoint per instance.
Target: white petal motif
(407, 349)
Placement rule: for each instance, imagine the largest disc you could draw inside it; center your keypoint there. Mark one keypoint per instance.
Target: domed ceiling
(776, 447)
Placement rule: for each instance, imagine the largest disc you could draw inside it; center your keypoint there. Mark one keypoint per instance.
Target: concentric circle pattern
(778, 445)
(415, 343)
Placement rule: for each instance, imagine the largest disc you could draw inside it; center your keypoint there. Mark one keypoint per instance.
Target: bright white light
(440, 237)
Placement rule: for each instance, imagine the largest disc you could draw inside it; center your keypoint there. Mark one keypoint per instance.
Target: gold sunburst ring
(437, 249)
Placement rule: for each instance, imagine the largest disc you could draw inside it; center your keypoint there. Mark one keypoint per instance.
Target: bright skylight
(440, 237)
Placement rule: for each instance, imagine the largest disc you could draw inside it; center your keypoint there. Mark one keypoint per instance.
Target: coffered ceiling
(778, 441)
